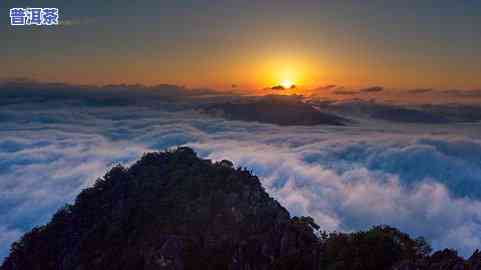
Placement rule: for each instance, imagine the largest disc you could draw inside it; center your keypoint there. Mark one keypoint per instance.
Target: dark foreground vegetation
(174, 210)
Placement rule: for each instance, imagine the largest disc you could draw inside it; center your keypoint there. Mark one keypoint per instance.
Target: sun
(287, 83)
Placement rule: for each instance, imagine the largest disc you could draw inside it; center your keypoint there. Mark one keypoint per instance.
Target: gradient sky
(253, 44)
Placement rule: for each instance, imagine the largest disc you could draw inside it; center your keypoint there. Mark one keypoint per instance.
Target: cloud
(112, 93)
(6, 237)
(281, 88)
(424, 181)
(463, 93)
(345, 92)
(372, 89)
(276, 87)
(419, 90)
(327, 87)
(344, 192)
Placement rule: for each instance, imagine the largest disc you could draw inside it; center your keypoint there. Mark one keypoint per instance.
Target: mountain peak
(170, 210)
(174, 210)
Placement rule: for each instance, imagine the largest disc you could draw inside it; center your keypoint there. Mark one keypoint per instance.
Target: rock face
(174, 210)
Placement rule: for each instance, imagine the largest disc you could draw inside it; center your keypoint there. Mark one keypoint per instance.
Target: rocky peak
(170, 210)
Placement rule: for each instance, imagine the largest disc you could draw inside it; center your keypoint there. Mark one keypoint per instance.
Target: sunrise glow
(287, 83)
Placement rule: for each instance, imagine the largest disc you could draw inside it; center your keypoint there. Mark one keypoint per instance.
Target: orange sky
(252, 45)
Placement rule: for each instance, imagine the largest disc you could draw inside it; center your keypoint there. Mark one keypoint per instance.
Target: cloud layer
(349, 184)
(426, 181)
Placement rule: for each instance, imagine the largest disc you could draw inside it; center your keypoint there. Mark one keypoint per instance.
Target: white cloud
(7, 236)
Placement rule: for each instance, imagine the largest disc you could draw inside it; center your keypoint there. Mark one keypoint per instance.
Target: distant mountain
(173, 210)
(422, 114)
(279, 110)
(406, 115)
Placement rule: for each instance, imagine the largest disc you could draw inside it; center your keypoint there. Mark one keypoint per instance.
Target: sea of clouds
(423, 179)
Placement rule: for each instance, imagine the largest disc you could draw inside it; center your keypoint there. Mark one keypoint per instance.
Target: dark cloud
(106, 95)
(23, 86)
(393, 112)
(327, 87)
(419, 90)
(463, 93)
(452, 91)
(278, 87)
(345, 92)
(372, 89)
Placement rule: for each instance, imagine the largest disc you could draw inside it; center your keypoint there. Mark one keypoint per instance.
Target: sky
(250, 44)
